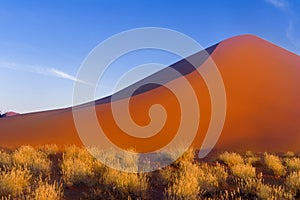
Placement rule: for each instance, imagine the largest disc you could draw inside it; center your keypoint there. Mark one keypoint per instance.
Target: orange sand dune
(263, 111)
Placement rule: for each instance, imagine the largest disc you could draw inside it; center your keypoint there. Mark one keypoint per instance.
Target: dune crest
(263, 111)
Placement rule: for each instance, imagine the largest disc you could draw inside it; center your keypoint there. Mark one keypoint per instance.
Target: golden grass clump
(5, 159)
(49, 149)
(274, 163)
(293, 164)
(289, 154)
(249, 185)
(126, 185)
(269, 192)
(184, 184)
(14, 180)
(37, 161)
(78, 166)
(243, 171)
(45, 191)
(231, 159)
(211, 177)
(293, 181)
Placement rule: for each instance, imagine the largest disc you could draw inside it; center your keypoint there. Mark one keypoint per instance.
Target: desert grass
(13, 181)
(231, 159)
(274, 163)
(293, 164)
(35, 160)
(50, 173)
(243, 171)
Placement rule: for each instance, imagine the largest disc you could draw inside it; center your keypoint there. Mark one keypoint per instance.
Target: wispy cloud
(277, 3)
(288, 10)
(47, 71)
(290, 34)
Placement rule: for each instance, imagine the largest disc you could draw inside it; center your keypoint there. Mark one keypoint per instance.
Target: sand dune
(263, 111)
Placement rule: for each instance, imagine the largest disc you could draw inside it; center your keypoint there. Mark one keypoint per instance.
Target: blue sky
(43, 43)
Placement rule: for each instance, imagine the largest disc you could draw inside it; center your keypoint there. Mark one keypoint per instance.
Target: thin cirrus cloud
(47, 71)
(277, 3)
(287, 9)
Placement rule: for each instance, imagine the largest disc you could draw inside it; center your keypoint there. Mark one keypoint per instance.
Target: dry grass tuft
(14, 180)
(274, 163)
(293, 164)
(243, 171)
(38, 162)
(78, 166)
(293, 182)
(231, 159)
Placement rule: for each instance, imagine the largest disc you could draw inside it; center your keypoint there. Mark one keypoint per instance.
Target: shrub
(78, 166)
(37, 161)
(13, 181)
(46, 191)
(5, 159)
(211, 177)
(125, 184)
(266, 192)
(184, 185)
(293, 164)
(274, 163)
(289, 154)
(293, 181)
(231, 158)
(49, 149)
(243, 171)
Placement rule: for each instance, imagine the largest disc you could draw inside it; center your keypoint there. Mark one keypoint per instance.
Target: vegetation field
(47, 173)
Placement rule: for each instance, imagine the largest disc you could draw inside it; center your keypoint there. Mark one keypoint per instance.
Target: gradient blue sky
(42, 43)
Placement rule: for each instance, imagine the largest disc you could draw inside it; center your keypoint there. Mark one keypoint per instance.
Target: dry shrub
(293, 181)
(231, 159)
(14, 180)
(184, 185)
(78, 166)
(274, 163)
(268, 192)
(44, 190)
(125, 185)
(38, 162)
(5, 159)
(293, 164)
(248, 185)
(243, 171)
(49, 149)
(124, 160)
(289, 154)
(211, 178)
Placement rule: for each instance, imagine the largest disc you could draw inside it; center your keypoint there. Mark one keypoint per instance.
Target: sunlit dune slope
(263, 111)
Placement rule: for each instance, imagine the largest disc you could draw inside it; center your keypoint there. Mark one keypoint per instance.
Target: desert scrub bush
(274, 163)
(269, 192)
(211, 178)
(293, 164)
(5, 159)
(125, 160)
(79, 166)
(289, 154)
(49, 149)
(248, 185)
(293, 182)
(14, 180)
(243, 171)
(38, 162)
(126, 185)
(44, 190)
(231, 158)
(184, 185)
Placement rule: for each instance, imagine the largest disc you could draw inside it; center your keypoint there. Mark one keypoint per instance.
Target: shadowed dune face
(263, 113)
